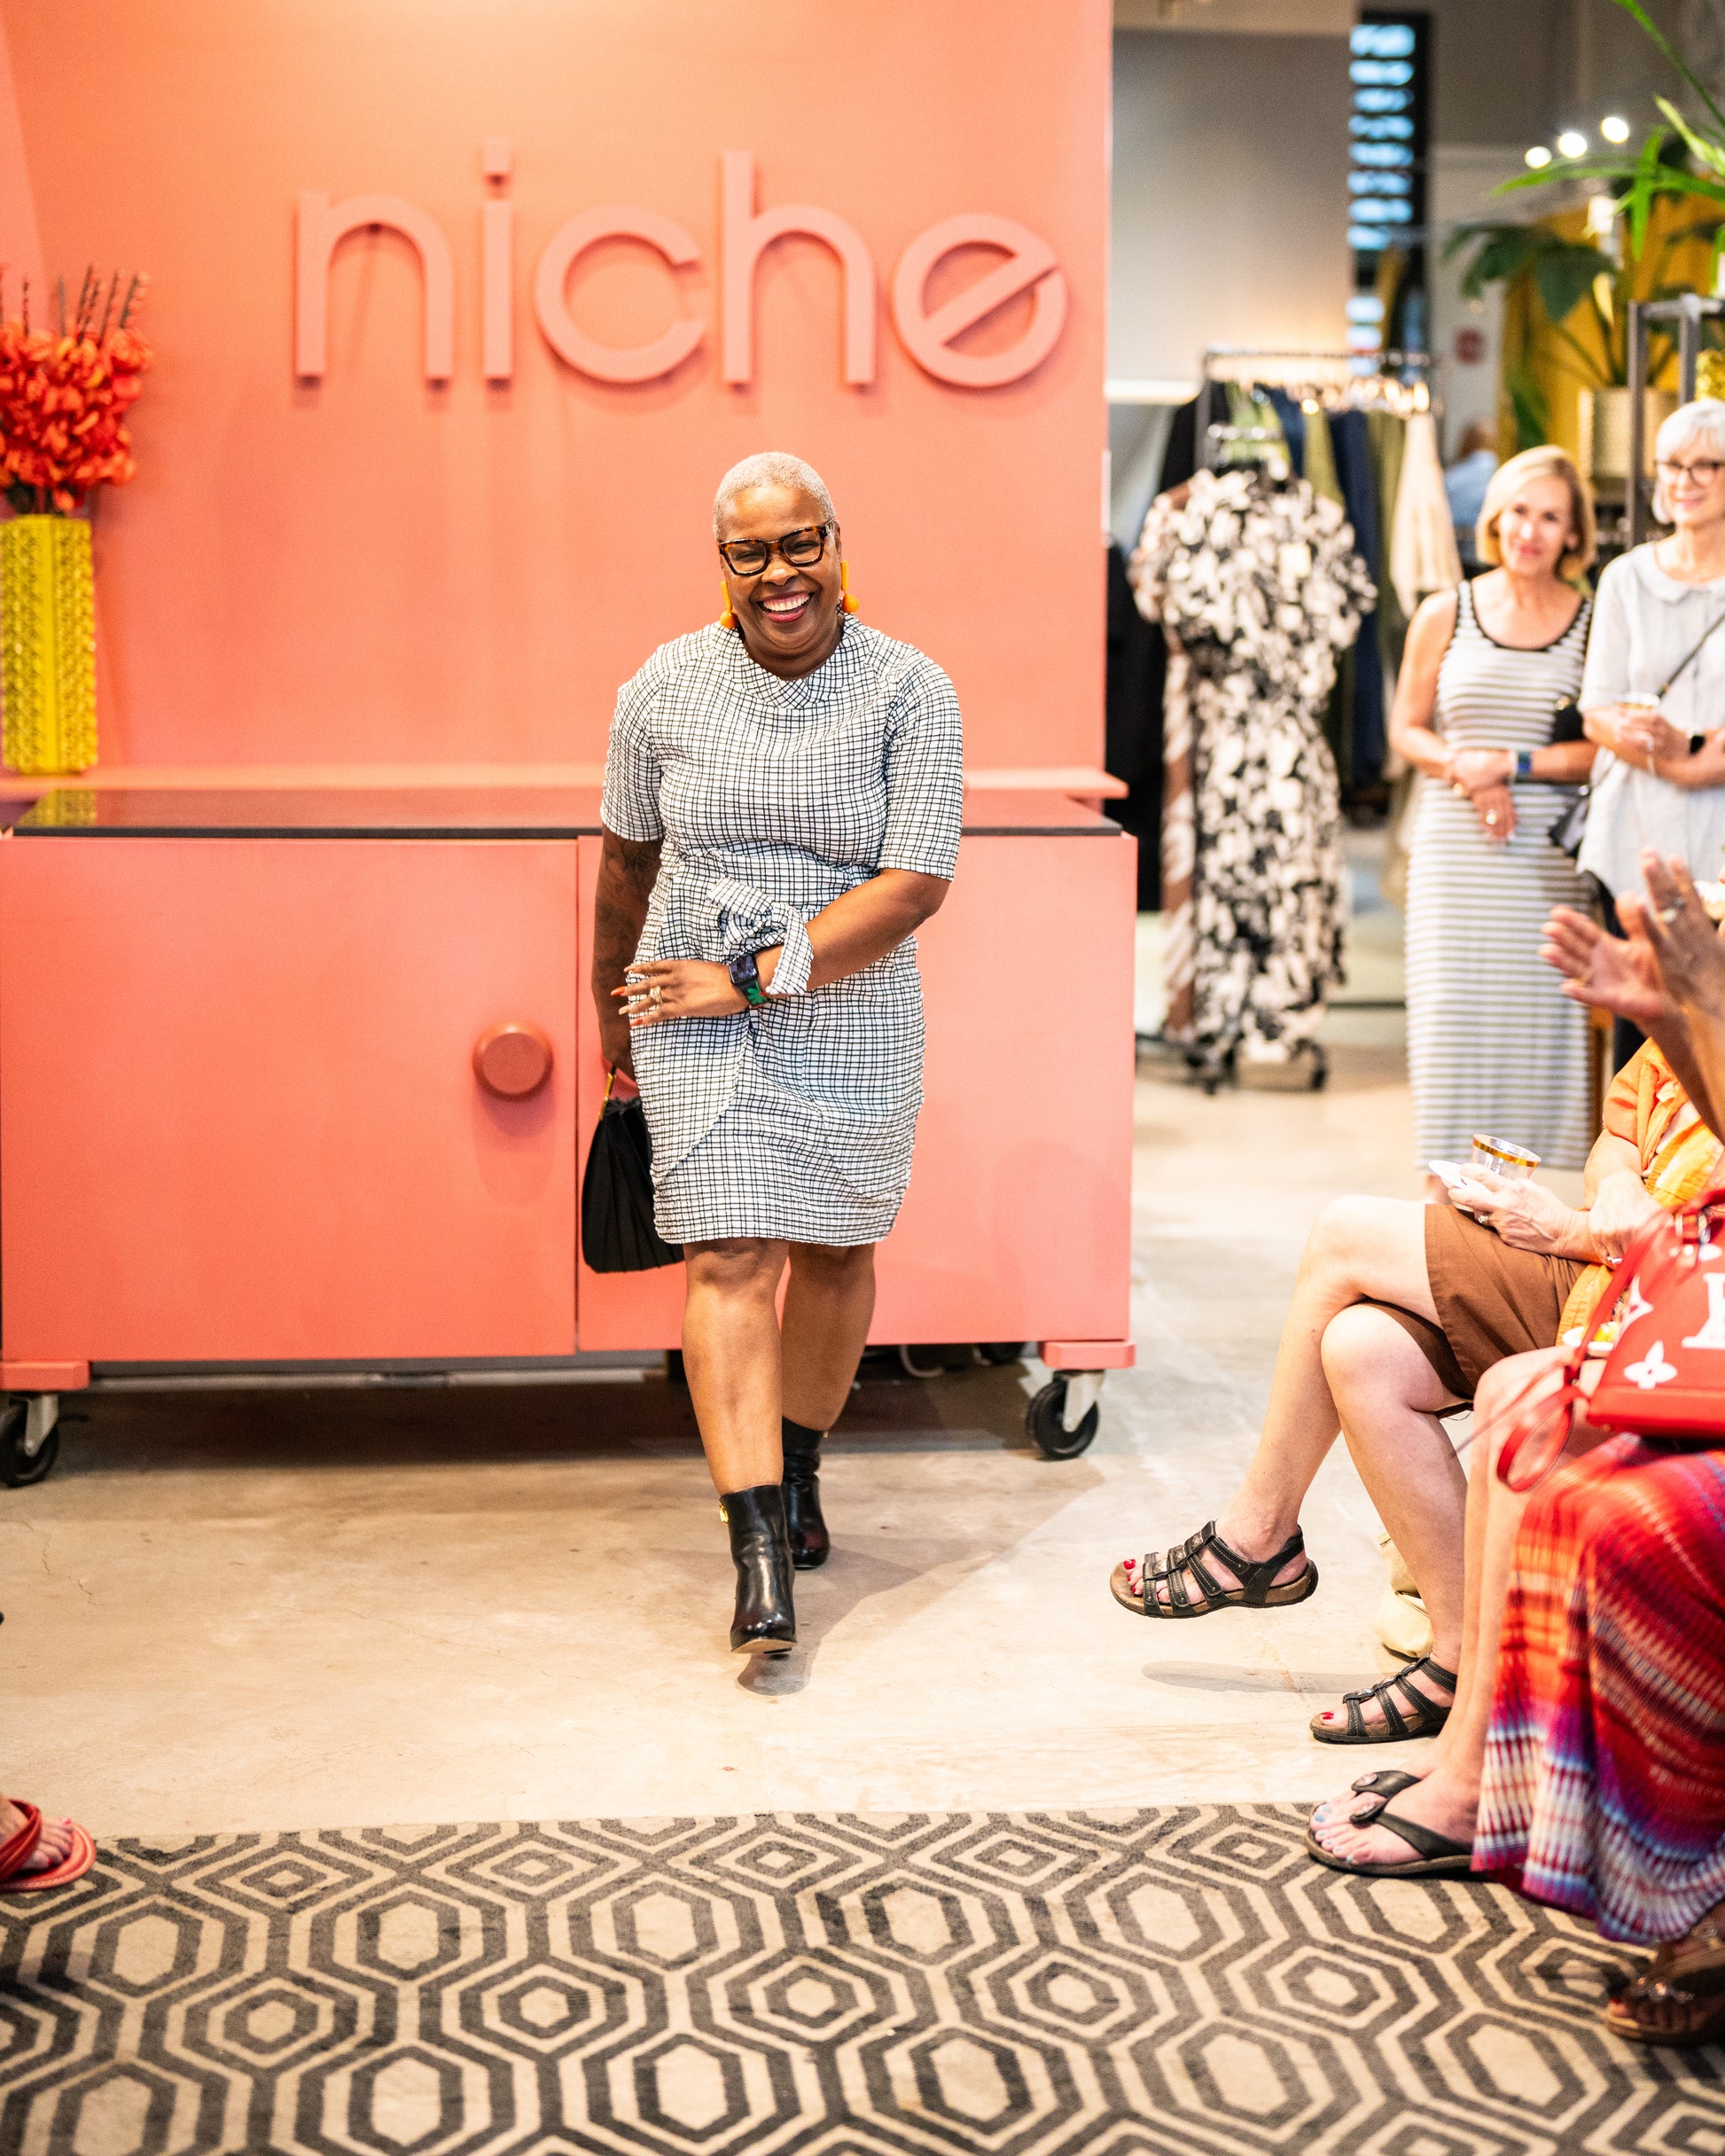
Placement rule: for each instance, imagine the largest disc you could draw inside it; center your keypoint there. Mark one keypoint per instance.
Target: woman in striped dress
(1493, 1044)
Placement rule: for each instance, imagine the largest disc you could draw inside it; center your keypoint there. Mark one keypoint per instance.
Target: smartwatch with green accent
(745, 977)
(1524, 766)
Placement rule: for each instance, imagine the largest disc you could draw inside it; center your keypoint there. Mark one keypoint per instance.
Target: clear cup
(1514, 1163)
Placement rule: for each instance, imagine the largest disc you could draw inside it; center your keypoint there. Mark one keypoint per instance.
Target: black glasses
(801, 549)
(1703, 471)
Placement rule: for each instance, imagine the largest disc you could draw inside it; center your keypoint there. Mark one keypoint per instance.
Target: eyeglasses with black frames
(800, 549)
(1703, 470)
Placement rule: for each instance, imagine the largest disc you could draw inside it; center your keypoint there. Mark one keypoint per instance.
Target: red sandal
(16, 1852)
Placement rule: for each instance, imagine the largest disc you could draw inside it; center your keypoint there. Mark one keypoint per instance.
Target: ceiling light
(1614, 128)
(1571, 143)
(1539, 155)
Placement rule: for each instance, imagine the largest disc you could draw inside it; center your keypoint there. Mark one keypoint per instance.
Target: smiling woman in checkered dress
(782, 806)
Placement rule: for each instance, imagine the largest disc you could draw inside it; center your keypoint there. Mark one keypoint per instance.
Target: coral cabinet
(254, 1112)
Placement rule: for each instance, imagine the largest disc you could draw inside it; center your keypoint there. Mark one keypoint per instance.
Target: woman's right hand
(1605, 973)
(1635, 733)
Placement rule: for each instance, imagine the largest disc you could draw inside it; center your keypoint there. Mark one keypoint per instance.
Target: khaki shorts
(1492, 1301)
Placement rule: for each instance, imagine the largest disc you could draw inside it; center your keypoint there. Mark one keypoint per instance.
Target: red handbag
(1665, 1377)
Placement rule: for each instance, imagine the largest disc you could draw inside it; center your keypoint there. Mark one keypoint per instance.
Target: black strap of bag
(1694, 651)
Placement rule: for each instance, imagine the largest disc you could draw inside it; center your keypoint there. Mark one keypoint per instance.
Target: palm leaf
(1634, 8)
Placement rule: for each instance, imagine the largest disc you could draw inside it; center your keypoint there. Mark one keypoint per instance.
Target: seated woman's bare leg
(53, 1849)
(1447, 1798)
(1387, 1395)
(1362, 1249)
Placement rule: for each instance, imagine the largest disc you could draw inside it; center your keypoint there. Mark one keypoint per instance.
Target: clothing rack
(1409, 372)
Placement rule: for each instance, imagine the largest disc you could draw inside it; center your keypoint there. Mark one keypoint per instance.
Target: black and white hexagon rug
(1045, 1984)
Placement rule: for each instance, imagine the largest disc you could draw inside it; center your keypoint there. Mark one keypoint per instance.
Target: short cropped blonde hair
(1547, 462)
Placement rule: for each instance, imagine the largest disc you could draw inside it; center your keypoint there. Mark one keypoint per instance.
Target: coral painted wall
(373, 567)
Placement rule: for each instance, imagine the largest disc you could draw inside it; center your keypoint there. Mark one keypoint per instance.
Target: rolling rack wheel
(1001, 1352)
(29, 1443)
(1062, 1419)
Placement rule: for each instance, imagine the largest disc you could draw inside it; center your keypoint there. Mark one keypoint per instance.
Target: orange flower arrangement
(63, 398)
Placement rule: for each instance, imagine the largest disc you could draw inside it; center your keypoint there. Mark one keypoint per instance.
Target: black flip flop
(1435, 1854)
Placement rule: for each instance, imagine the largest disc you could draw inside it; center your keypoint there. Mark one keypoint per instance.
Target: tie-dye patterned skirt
(1604, 1775)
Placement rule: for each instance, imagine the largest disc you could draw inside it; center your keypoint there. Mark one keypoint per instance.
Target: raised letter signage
(747, 237)
(322, 229)
(1030, 267)
(608, 363)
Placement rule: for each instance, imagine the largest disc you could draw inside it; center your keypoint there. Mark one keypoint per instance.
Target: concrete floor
(292, 1609)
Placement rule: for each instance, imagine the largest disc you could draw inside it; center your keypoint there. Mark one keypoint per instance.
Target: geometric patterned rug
(983, 1984)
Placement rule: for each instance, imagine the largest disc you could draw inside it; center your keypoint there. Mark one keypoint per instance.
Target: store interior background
(258, 1609)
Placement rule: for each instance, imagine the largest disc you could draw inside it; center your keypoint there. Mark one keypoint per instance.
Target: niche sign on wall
(1022, 263)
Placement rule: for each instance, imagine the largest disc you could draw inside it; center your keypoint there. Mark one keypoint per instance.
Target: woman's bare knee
(831, 1265)
(1364, 1349)
(743, 1266)
(1511, 1391)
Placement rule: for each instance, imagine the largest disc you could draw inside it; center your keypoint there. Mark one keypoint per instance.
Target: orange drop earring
(727, 620)
(852, 604)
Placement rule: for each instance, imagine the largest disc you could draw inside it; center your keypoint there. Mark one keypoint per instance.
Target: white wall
(1463, 176)
(1230, 196)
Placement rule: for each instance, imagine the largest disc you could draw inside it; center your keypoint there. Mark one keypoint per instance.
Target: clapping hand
(1676, 925)
(1604, 971)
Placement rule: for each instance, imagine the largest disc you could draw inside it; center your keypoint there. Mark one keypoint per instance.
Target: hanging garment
(1492, 1043)
(1351, 443)
(1180, 459)
(1136, 657)
(1320, 457)
(1292, 419)
(1422, 556)
(1257, 587)
(1338, 716)
(1388, 436)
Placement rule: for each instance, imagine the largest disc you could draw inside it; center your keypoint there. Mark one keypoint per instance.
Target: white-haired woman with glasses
(1653, 696)
(783, 799)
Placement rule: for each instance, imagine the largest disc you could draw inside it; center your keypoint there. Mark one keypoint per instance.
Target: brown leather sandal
(1427, 1718)
(1257, 1589)
(1674, 2002)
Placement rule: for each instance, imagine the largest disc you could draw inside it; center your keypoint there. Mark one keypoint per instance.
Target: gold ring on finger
(653, 995)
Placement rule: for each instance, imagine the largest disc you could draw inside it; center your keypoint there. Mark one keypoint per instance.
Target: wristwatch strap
(745, 977)
(1524, 764)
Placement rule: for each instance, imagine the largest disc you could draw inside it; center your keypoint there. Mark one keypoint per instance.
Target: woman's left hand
(1525, 1215)
(661, 989)
(1496, 807)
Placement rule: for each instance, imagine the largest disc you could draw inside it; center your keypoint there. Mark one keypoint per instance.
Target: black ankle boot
(811, 1543)
(766, 1623)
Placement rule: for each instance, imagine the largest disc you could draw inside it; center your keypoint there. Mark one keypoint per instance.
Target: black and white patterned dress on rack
(1258, 587)
(774, 798)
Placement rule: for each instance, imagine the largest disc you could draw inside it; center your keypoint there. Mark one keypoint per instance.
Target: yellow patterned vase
(48, 643)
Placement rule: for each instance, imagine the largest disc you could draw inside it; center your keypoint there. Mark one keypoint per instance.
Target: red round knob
(512, 1060)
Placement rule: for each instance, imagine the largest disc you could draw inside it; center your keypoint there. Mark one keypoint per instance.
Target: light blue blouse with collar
(1644, 623)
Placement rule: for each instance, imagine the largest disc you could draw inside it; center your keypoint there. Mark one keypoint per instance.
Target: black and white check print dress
(773, 798)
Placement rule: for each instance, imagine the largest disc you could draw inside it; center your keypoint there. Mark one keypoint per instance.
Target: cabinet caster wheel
(1001, 1352)
(1046, 1417)
(908, 1362)
(29, 1443)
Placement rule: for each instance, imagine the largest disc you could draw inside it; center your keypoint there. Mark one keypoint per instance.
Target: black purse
(617, 1230)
